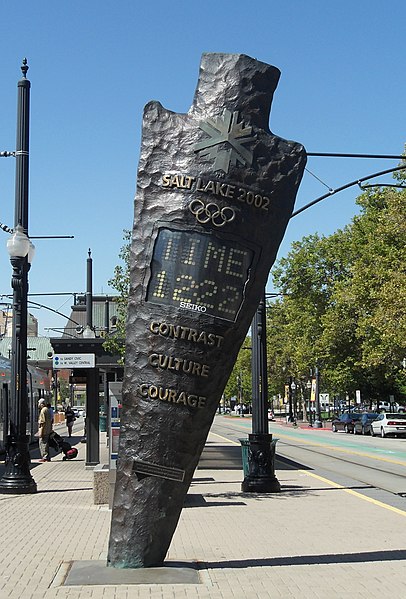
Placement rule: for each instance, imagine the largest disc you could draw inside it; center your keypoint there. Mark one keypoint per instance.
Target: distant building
(6, 317)
(104, 317)
(6, 324)
(80, 337)
(39, 351)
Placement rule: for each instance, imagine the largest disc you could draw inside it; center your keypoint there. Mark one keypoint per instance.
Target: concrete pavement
(315, 539)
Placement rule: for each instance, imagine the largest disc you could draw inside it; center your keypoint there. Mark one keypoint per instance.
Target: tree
(369, 306)
(239, 384)
(344, 302)
(306, 279)
(115, 344)
(64, 394)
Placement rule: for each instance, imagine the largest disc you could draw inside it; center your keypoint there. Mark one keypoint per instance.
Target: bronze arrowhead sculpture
(215, 192)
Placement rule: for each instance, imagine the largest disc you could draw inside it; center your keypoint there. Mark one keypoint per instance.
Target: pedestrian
(44, 430)
(51, 411)
(70, 419)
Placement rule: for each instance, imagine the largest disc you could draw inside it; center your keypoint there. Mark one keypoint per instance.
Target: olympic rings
(211, 212)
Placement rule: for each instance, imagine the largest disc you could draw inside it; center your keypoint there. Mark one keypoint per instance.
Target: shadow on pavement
(282, 494)
(282, 463)
(229, 457)
(287, 491)
(197, 500)
(221, 457)
(309, 560)
(46, 491)
(216, 482)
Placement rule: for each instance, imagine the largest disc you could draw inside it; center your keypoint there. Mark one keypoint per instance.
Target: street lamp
(17, 478)
(290, 403)
(261, 453)
(294, 407)
(309, 387)
(318, 422)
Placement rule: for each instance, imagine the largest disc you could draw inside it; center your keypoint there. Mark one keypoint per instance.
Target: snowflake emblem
(226, 132)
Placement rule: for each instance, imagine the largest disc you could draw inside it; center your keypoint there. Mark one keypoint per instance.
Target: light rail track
(338, 460)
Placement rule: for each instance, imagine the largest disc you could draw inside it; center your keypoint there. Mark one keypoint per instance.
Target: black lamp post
(17, 478)
(309, 388)
(261, 453)
(293, 400)
(290, 402)
(318, 422)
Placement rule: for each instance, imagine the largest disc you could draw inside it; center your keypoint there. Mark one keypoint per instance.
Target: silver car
(389, 424)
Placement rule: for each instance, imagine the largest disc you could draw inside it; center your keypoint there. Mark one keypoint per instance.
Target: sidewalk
(312, 540)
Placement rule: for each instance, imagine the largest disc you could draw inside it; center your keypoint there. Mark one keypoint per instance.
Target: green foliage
(344, 303)
(239, 384)
(115, 344)
(63, 390)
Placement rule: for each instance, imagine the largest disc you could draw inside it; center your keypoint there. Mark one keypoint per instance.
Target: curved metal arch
(356, 182)
(50, 309)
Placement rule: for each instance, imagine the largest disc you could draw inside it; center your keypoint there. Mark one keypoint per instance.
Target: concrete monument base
(94, 572)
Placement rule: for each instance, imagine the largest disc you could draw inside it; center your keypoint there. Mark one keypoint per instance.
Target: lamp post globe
(88, 333)
(18, 245)
(31, 252)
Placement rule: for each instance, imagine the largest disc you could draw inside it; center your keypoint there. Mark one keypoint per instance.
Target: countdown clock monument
(215, 191)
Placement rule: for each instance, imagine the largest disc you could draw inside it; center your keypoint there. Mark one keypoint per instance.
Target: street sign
(66, 361)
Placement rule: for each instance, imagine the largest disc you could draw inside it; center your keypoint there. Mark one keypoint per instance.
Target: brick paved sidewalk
(313, 540)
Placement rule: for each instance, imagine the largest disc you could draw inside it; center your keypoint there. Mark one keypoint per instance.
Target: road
(375, 466)
(77, 430)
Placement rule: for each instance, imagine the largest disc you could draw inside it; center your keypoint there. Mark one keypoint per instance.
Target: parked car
(387, 406)
(79, 411)
(345, 422)
(363, 425)
(389, 423)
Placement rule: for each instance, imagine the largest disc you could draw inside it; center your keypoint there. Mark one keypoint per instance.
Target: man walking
(44, 430)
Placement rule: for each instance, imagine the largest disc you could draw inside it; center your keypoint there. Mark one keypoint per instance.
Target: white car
(389, 423)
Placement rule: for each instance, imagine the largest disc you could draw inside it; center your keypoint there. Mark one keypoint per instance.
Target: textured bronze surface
(215, 191)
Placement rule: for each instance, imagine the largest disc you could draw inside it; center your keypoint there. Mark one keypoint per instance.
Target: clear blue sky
(95, 64)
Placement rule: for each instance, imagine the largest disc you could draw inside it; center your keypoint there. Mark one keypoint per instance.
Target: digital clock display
(198, 272)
